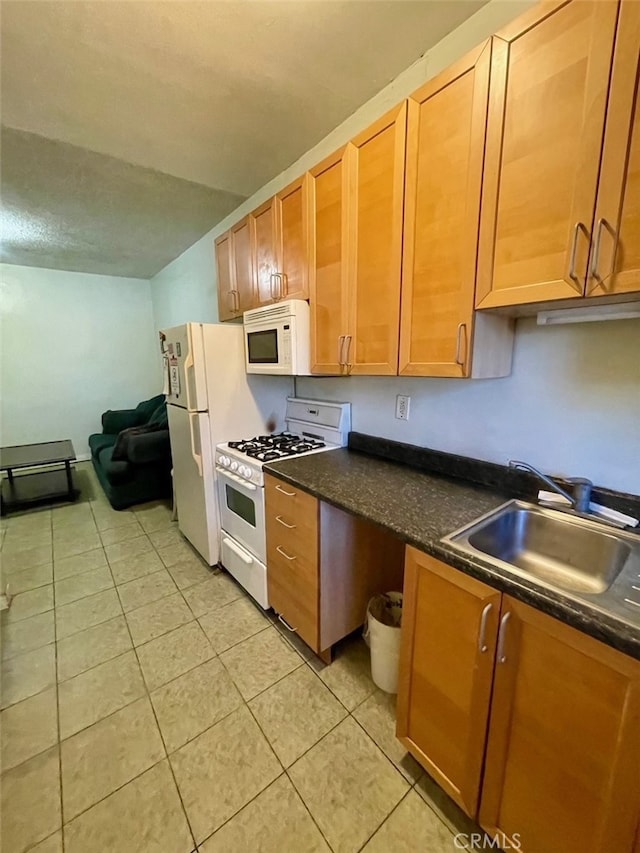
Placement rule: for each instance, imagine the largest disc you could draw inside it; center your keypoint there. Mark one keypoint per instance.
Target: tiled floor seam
(59, 744)
(388, 817)
(164, 745)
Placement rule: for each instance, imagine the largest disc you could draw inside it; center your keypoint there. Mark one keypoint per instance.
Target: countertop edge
(593, 622)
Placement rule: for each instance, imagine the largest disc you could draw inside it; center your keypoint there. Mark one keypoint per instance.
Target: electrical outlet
(402, 407)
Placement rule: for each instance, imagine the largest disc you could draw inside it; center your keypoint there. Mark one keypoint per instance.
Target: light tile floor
(149, 706)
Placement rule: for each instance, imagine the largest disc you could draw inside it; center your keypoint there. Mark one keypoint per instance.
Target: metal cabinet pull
(236, 300)
(502, 638)
(347, 362)
(278, 278)
(271, 278)
(286, 624)
(482, 636)
(284, 523)
(282, 276)
(461, 326)
(285, 492)
(284, 553)
(574, 251)
(603, 223)
(340, 348)
(231, 293)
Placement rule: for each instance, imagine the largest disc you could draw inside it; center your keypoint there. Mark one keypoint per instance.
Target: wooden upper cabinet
(376, 189)
(226, 294)
(263, 237)
(548, 94)
(242, 266)
(615, 261)
(445, 145)
(292, 229)
(328, 190)
(563, 754)
(449, 628)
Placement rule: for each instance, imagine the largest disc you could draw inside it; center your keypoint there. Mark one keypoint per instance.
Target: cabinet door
(263, 223)
(241, 244)
(375, 245)
(292, 206)
(449, 627)
(548, 92)
(563, 753)
(445, 147)
(615, 263)
(226, 295)
(328, 187)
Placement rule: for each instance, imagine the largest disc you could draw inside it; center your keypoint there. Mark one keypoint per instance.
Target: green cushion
(159, 416)
(99, 441)
(148, 407)
(115, 472)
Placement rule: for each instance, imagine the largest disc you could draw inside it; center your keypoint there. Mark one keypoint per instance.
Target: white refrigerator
(210, 399)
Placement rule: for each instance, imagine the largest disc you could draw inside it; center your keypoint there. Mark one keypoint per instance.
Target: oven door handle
(231, 545)
(251, 487)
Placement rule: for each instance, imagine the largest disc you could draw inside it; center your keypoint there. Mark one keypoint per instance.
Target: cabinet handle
(278, 277)
(340, 348)
(284, 553)
(282, 278)
(347, 363)
(233, 301)
(286, 624)
(285, 492)
(602, 223)
(284, 523)
(482, 636)
(574, 250)
(502, 638)
(271, 278)
(461, 326)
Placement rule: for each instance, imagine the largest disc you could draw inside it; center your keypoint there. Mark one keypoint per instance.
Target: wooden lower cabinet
(561, 767)
(323, 565)
(449, 629)
(563, 753)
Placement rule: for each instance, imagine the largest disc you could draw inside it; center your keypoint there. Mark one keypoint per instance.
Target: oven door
(242, 512)
(268, 348)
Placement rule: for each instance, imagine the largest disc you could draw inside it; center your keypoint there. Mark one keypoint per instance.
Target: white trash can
(382, 635)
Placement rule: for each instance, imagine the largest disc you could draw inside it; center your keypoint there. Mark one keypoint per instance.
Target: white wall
(185, 290)
(572, 403)
(73, 345)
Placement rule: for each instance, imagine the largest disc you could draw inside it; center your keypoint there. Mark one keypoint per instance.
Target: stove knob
(234, 465)
(225, 461)
(245, 471)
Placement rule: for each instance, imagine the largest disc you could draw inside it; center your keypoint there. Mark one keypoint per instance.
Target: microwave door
(268, 349)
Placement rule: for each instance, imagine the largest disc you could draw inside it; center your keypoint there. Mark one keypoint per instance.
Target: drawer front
(293, 591)
(283, 498)
(292, 522)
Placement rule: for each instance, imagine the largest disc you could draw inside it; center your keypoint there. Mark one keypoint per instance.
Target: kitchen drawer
(296, 534)
(290, 501)
(293, 592)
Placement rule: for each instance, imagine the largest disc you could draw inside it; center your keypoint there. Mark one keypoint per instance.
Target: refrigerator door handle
(197, 458)
(188, 374)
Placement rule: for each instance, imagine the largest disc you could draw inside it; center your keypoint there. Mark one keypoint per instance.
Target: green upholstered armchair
(132, 454)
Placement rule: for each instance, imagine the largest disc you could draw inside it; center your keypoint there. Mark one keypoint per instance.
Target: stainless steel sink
(570, 553)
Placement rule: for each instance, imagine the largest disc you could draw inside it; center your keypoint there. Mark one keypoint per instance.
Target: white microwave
(277, 339)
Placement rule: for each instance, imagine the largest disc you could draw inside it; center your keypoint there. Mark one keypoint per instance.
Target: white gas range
(312, 426)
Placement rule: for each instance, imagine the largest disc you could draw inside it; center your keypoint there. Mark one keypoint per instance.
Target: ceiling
(131, 127)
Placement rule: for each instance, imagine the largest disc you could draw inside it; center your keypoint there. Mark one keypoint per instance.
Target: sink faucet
(581, 496)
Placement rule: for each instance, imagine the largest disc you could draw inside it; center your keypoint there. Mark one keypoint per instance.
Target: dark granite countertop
(421, 507)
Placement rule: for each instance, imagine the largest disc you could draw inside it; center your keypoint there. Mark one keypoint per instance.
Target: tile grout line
(164, 745)
(59, 744)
